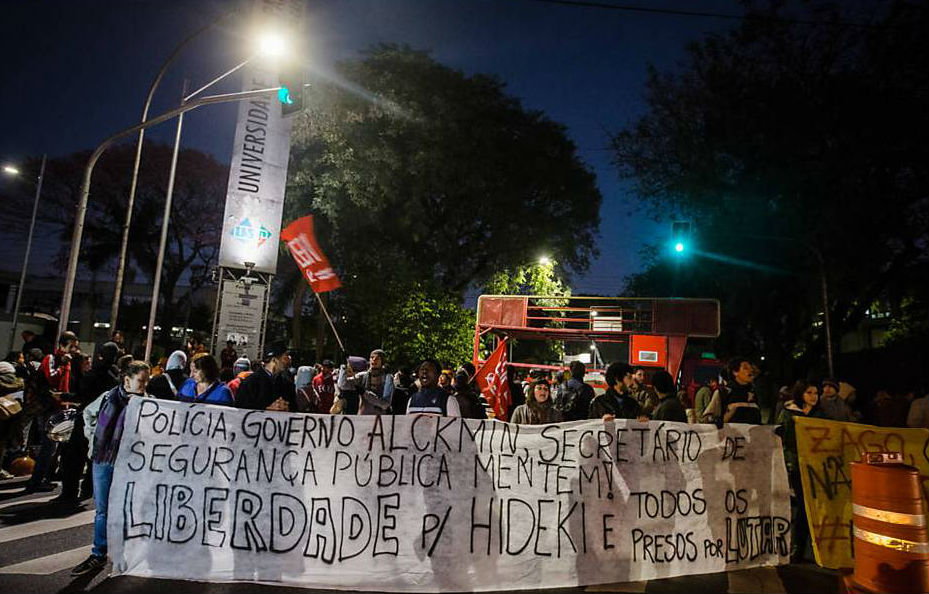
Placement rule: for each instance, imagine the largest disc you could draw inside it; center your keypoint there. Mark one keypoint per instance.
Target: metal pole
(331, 325)
(121, 262)
(826, 323)
(159, 263)
(22, 275)
(77, 235)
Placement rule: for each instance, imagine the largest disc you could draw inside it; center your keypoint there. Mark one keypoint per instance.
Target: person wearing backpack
(573, 398)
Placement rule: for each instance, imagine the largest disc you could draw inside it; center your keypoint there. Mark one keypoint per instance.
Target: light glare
(271, 45)
(10, 170)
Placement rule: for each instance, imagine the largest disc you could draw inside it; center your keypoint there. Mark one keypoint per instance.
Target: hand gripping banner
(427, 504)
(302, 244)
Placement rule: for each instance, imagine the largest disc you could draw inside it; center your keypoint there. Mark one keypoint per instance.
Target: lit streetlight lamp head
(270, 44)
(545, 261)
(10, 170)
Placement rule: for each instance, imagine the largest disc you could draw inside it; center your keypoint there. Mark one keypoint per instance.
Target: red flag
(491, 379)
(312, 262)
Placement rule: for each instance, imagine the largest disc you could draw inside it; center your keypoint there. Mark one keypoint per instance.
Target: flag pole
(331, 325)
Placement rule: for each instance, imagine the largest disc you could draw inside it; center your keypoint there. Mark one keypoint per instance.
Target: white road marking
(44, 526)
(43, 499)
(50, 563)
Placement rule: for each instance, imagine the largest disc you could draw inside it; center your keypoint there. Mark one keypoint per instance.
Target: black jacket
(256, 391)
(612, 403)
(669, 409)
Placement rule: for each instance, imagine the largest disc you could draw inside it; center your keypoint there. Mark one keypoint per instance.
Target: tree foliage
(782, 141)
(193, 233)
(421, 176)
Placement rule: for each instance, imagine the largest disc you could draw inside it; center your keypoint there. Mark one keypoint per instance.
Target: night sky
(75, 72)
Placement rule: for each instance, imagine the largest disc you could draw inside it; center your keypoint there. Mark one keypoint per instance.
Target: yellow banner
(827, 448)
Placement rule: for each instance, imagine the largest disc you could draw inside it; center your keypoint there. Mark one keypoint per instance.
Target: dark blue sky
(74, 72)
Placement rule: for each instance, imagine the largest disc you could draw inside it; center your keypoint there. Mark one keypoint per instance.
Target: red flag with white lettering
(302, 244)
(491, 379)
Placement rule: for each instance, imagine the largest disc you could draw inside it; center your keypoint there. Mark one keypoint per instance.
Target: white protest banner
(427, 504)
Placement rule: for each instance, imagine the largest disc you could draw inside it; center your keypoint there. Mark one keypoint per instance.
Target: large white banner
(427, 504)
(258, 172)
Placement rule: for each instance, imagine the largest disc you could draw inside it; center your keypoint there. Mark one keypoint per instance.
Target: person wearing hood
(166, 385)
(470, 401)
(303, 385)
(11, 387)
(538, 409)
(242, 368)
(107, 437)
(102, 377)
(805, 403)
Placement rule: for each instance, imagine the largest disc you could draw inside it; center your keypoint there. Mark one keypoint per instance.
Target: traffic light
(680, 237)
(290, 95)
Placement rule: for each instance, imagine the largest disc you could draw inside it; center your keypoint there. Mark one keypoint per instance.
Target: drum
(61, 424)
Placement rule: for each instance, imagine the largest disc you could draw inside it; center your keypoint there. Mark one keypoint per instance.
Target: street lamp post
(77, 235)
(22, 274)
(121, 261)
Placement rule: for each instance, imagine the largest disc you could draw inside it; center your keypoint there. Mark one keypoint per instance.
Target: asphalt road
(40, 542)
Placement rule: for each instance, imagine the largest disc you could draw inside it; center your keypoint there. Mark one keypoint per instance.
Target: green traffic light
(679, 247)
(283, 95)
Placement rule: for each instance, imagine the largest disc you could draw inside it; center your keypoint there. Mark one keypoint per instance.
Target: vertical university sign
(258, 172)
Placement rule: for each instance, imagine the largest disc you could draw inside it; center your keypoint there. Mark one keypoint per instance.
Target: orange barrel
(889, 525)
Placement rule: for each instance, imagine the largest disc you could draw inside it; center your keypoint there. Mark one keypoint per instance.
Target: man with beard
(376, 385)
(617, 401)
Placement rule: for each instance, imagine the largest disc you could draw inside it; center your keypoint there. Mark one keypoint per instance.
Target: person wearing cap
(166, 385)
(258, 391)
(376, 385)
(831, 405)
(242, 368)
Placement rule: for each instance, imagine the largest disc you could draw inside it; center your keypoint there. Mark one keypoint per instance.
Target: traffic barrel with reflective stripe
(889, 526)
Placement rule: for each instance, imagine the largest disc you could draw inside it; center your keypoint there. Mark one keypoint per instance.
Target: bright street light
(544, 261)
(679, 247)
(270, 44)
(10, 170)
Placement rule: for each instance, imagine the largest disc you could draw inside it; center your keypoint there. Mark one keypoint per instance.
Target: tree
(422, 176)
(781, 140)
(193, 233)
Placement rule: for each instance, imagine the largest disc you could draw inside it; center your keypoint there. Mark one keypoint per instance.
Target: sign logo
(248, 232)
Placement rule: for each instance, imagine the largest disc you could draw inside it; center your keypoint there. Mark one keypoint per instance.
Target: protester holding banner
(669, 407)
(805, 403)
(617, 401)
(538, 409)
(204, 385)
(166, 385)
(431, 398)
(257, 391)
(107, 438)
(376, 385)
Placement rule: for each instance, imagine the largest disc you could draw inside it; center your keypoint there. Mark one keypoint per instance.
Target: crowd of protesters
(65, 387)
